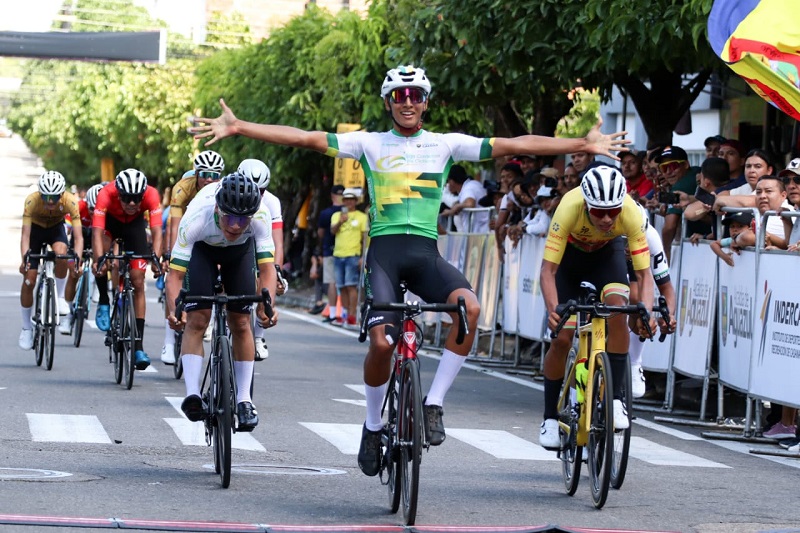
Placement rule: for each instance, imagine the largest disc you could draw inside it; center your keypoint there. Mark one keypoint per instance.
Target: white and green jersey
(201, 224)
(406, 175)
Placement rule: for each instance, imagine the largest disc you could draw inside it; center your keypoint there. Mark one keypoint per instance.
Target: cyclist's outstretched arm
(594, 143)
(227, 125)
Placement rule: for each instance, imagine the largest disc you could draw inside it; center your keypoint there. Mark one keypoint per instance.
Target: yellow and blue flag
(760, 41)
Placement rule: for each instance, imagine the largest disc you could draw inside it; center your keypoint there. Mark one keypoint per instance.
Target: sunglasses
(399, 96)
(209, 175)
(51, 198)
(600, 213)
(789, 179)
(670, 166)
(130, 198)
(239, 221)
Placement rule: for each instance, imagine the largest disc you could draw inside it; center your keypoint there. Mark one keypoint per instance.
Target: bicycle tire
(223, 410)
(622, 439)
(128, 337)
(38, 344)
(570, 454)
(410, 431)
(115, 346)
(601, 432)
(51, 317)
(81, 309)
(391, 454)
(177, 368)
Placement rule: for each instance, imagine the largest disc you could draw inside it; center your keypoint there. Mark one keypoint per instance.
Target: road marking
(193, 434)
(346, 437)
(149, 370)
(67, 428)
(502, 444)
(357, 388)
(666, 430)
(360, 403)
(657, 454)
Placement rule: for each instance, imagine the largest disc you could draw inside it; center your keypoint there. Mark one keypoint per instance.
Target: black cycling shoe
(369, 453)
(194, 408)
(248, 416)
(434, 427)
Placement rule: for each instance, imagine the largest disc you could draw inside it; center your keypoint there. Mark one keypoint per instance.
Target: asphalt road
(95, 450)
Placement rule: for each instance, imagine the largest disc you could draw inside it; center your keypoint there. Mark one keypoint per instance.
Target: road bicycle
(585, 404)
(219, 383)
(82, 301)
(121, 337)
(45, 315)
(404, 435)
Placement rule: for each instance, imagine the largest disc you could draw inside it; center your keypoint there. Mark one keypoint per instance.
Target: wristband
(726, 242)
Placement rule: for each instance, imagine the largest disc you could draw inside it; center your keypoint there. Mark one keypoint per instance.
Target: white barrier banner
(531, 304)
(490, 284)
(510, 287)
(456, 246)
(696, 301)
(775, 363)
(737, 287)
(473, 260)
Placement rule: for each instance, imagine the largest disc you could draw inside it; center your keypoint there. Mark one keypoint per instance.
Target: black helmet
(238, 195)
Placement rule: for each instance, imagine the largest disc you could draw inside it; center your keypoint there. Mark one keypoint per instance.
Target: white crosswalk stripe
(502, 444)
(193, 433)
(346, 437)
(67, 428)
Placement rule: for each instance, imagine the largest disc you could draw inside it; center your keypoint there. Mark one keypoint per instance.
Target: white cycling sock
(375, 397)
(446, 373)
(169, 334)
(244, 377)
(61, 284)
(192, 370)
(635, 349)
(258, 331)
(26, 317)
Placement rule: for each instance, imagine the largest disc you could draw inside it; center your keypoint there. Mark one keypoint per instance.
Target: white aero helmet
(405, 76)
(91, 194)
(603, 187)
(256, 170)
(52, 182)
(131, 182)
(209, 160)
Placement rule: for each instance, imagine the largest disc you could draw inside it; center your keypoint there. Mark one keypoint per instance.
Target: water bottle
(581, 378)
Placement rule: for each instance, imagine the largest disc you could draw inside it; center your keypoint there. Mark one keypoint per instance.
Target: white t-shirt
(480, 220)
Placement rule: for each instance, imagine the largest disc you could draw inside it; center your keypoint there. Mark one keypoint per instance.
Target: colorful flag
(760, 41)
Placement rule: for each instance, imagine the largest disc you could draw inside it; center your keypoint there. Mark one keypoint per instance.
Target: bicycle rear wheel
(622, 439)
(81, 309)
(115, 344)
(128, 337)
(177, 368)
(223, 410)
(570, 453)
(392, 454)
(410, 431)
(601, 432)
(50, 318)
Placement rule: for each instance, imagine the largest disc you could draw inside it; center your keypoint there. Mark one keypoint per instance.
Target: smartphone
(670, 198)
(704, 196)
(344, 210)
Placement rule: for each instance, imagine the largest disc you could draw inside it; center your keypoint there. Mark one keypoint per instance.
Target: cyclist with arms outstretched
(406, 169)
(585, 244)
(225, 229)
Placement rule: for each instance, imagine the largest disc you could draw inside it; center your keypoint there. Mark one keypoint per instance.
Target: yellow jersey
(35, 211)
(182, 194)
(571, 225)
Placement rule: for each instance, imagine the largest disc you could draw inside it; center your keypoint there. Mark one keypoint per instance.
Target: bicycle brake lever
(362, 334)
(463, 326)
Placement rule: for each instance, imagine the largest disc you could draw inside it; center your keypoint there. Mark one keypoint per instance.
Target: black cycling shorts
(41, 236)
(87, 238)
(603, 268)
(133, 234)
(415, 260)
(235, 268)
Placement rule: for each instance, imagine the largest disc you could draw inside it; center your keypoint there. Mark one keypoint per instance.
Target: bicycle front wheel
(115, 344)
(622, 439)
(223, 410)
(81, 309)
(392, 450)
(601, 431)
(50, 318)
(128, 338)
(409, 431)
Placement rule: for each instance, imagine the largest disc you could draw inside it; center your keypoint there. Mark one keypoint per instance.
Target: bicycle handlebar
(223, 299)
(130, 256)
(599, 310)
(49, 255)
(412, 309)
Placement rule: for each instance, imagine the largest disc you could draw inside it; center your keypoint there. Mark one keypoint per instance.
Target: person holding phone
(349, 226)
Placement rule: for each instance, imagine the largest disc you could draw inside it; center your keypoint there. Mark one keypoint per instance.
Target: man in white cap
(349, 226)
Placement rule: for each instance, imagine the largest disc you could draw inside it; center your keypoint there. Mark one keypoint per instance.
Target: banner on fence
(775, 361)
(490, 285)
(737, 286)
(530, 304)
(696, 303)
(510, 287)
